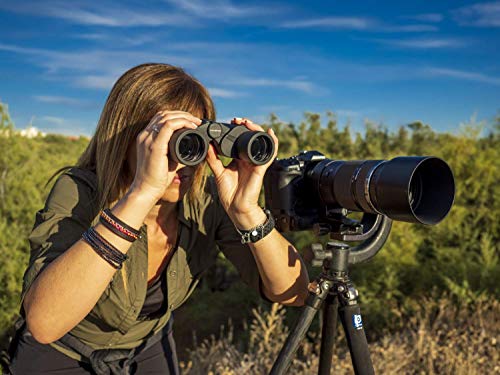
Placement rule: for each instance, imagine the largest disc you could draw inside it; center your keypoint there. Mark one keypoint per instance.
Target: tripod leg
(328, 334)
(350, 315)
(293, 340)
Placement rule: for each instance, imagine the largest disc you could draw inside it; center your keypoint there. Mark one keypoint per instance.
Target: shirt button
(173, 274)
(171, 306)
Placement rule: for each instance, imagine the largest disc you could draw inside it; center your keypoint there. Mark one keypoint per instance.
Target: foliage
(460, 256)
(25, 166)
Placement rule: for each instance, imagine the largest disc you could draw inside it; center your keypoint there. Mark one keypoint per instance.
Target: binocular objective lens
(261, 148)
(190, 147)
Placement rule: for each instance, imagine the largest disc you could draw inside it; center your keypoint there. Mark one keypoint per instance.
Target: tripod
(333, 291)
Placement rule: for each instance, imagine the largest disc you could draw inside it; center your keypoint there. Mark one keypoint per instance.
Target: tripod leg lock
(318, 290)
(347, 293)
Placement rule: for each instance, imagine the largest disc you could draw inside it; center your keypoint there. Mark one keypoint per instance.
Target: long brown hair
(135, 98)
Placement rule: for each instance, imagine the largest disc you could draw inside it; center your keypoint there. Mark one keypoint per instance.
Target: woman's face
(177, 188)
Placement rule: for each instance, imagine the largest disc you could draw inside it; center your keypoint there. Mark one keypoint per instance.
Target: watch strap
(260, 231)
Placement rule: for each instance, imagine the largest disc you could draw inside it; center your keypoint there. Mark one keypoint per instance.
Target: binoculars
(190, 146)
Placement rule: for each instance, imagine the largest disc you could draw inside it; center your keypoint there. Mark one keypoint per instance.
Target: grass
(439, 336)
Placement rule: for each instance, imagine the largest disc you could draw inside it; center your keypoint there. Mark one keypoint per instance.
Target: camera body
(288, 195)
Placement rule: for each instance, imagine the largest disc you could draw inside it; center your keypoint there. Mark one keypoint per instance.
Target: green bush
(460, 256)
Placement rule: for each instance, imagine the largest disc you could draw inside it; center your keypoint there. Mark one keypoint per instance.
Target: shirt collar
(182, 214)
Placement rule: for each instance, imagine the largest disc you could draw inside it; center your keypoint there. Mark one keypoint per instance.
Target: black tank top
(155, 303)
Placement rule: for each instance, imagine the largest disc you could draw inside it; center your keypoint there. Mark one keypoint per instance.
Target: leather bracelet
(260, 231)
(116, 230)
(107, 215)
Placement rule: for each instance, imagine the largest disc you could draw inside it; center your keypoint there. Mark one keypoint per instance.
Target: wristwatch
(260, 231)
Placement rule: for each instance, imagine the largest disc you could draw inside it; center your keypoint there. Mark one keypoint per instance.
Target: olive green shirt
(204, 229)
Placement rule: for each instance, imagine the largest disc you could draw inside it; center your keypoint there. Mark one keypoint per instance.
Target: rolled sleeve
(68, 212)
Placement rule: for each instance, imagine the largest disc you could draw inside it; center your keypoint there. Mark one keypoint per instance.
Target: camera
(309, 188)
(190, 146)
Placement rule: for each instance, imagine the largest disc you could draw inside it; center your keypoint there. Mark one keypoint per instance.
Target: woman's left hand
(239, 184)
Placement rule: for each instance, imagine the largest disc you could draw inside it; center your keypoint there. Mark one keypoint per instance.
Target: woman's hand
(152, 174)
(239, 184)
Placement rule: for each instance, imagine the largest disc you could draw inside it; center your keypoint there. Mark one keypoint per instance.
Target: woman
(126, 234)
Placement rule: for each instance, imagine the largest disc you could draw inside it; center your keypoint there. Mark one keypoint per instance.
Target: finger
(179, 114)
(176, 121)
(237, 120)
(166, 131)
(141, 137)
(270, 131)
(214, 161)
(248, 123)
(252, 126)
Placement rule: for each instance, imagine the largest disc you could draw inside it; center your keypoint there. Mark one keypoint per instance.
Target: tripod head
(372, 230)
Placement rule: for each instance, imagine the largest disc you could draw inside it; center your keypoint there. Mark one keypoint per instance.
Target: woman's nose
(174, 166)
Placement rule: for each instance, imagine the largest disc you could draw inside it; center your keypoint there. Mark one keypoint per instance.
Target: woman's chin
(174, 193)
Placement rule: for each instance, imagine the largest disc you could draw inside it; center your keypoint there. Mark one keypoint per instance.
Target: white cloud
(100, 82)
(91, 68)
(220, 9)
(99, 69)
(116, 14)
(224, 93)
(461, 74)
(104, 13)
(353, 23)
(110, 38)
(426, 17)
(60, 125)
(60, 100)
(53, 120)
(350, 23)
(408, 28)
(479, 15)
(427, 43)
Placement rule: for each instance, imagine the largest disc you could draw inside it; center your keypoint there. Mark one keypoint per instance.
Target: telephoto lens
(415, 189)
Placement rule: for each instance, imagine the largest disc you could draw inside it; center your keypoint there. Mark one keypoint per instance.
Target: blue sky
(388, 61)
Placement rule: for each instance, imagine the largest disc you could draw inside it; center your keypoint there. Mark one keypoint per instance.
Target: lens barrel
(416, 189)
(255, 147)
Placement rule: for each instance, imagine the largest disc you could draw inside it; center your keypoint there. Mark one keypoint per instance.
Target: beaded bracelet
(108, 247)
(104, 249)
(99, 251)
(117, 226)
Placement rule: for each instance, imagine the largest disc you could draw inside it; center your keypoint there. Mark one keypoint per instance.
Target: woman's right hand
(152, 174)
